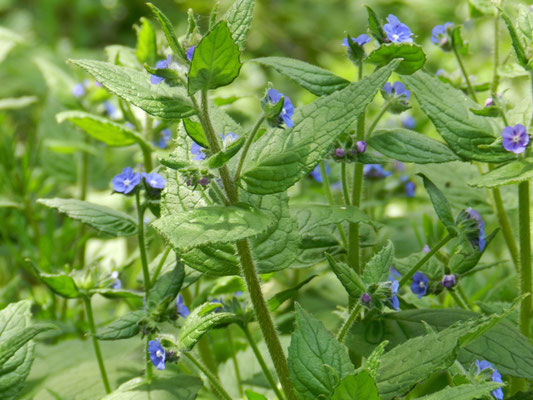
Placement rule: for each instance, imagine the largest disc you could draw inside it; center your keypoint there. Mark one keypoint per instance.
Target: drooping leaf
(122, 328)
(508, 174)
(408, 146)
(160, 100)
(357, 387)
(101, 218)
(449, 110)
(412, 55)
(378, 267)
(317, 361)
(315, 79)
(210, 225)
(216, 60)
(440, 204)
(239, 18)
(182, 387)
(279, 159)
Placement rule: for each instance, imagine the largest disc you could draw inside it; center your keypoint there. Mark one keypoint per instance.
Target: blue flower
(110, 109)
(515, 138)
(317, 175)
(496, 376)
(287, 111)
(228, 139)
(375, 171)
(448, 281)
(361, 146)
(126, 181)
(410, 188)
(190, 52)
(419, 286)
(117, 284)
(397, 89)
(164, 137)
(396, 31)
(157, 353)
(197, 151)
(78, 90)
(395, 286)
(154, 180)
(361, 40)
(161, 64)
(409, 122)
(439, 32)
(181, 307)
(479, 241)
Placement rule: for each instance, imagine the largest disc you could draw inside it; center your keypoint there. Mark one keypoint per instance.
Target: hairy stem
(525, 257)
(96, 345)
(329, 195)
(246, 148)
(221, 392)
(354, 313)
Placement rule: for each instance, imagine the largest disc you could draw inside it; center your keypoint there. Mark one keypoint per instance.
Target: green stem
(380, 115)
(249, 141)
(495, 77)
(147, 157)
(345, 189)
(424, 259)
(349, 321)
(209, 375)
(329, 195)
(262, 363)
(234, 359)
(525, 257)
(83, 196)
(463, 70)
(458, 299)
(96, 345)
(160, 266)
(221, 196)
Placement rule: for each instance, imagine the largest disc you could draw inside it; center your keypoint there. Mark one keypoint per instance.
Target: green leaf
(374, 25)
(508, 174)
(222, 157)
(479, 8)
(61, 284)
(280, 158)
(412, 55)
(134, 86)
(316, 360)
(464, 392)
(196, 132)
(254, 396)
(200, 321)
(101, 218)
(239, 17)
(168, 29)
(182, 387)
(347, 276)
(146, 43)
(122, 328)
(165, 289)
(408, 146)
(216, 259)
(378, 267)
(279, 298)
(216, 60)
(215, 224)
(315, 79)
(524, 25)
(110, 293)
(102, 129)
(449, 110)
(10, 344)
(357, 387)
(440, 204)
(519, 50)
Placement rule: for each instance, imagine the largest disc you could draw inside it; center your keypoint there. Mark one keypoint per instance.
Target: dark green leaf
(347, 276)
(196, 132)
(217, 259)
(440, 204)
(122, 328)
(178, 386)
(357, 387)
(375, 26)
(279, 298)
(412, 55)
(166, 288)
(222, 157)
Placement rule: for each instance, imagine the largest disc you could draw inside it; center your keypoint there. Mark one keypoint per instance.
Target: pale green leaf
(464, 392)
(146, 43)
(15, 103)
(508, 174)
(61, 284)
(239, 17)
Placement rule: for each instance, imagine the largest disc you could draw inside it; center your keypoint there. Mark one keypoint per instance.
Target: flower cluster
(128, 180)
(339, 153)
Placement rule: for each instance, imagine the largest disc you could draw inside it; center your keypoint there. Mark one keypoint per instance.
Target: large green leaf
(508, 174)
(239, 17)
(378, 267)
(412, 55)
(169, 102)
(215, 259)
(315, 79)
(182, 387)
(317, 361)
(503, 346)
(357, 387)
(12, 343)
(101, 218)
(408, 146)
(449, 110)
(216, 60)
(283, 156)
(201, 320)
(122, 328)
(215, 224)
(464, 392)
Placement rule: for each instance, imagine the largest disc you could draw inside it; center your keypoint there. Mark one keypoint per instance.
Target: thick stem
(349, 321)
(525, 257)
(329, 195)
(246, 148)
(96, 345)
(262, 363)
(463, 70)
(424, 259)
(209, 375)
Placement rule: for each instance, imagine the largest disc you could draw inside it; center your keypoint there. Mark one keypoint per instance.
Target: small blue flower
(439, 32)
(126, 181)
(396, 31)
(419, 286)
(183, 310)
(375, 171)
(157, 353)
(228, 139)
(117, 284)
(98, 84)
(395, 286)
(496, 376)
(164, 137)
(78, 90)
(480, 240)
(360, 146)
(410, 188)
(190, 52)
(161, 64)
(197, 151)
(110, 109)
(515, 138)
(154, 180)
(317, 175)
(397, 89)
(448, 281)
(287, 111)
(426, 249)
(409, 122)
(361, 40)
